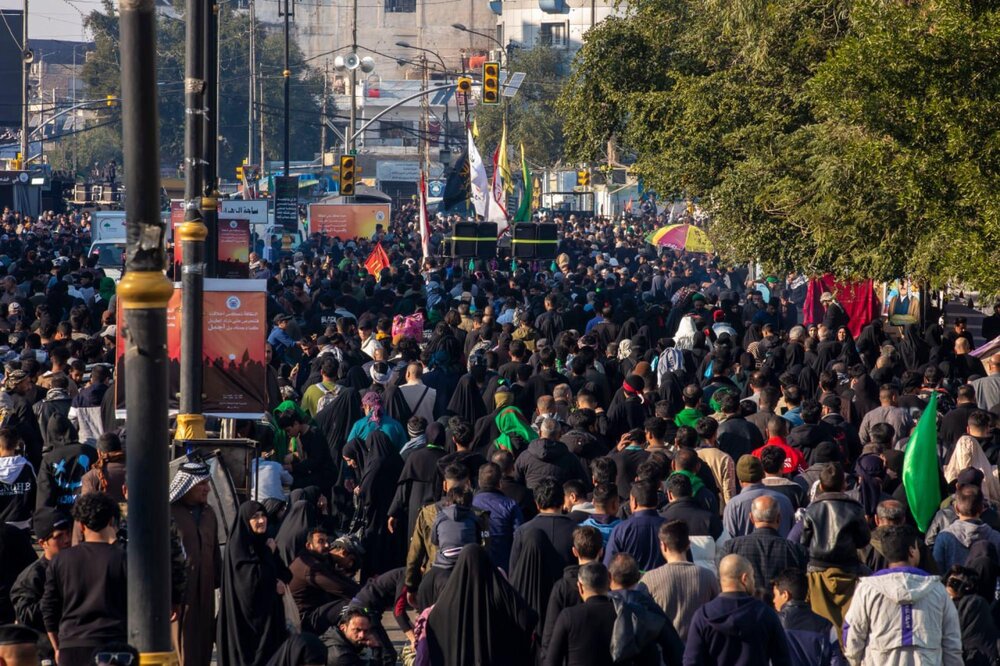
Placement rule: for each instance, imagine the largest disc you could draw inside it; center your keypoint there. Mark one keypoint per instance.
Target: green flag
(523, 213)
(920, 468)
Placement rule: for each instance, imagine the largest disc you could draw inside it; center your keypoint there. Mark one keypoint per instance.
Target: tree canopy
(858, 137)
(101, 76)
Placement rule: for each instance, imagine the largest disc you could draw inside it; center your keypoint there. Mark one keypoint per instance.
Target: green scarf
(509, 422)
(696, 483)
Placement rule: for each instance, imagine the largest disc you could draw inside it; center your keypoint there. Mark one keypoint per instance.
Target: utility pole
(322, 120)
(353, 120)
(253, 80)
(25, 87)
(261, 121)
(192, 234)
(289, 8)
(425, 112)
(210, 193)
(143, 295)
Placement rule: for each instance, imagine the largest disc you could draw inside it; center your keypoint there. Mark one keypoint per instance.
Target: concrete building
(556, 23)
(322, 27)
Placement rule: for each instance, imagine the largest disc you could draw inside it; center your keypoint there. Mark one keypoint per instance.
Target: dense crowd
(622, 455)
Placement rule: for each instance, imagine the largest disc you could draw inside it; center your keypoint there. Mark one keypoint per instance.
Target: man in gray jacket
(902, 616)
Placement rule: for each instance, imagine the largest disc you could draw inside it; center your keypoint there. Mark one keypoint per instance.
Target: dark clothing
(738, 437)
(543, 382)
(26, 595)
(17, 490)
(639, 537)
(700, 521)
(627, 461)
(198, 528)
(520, 493)
(60, 476)
(343, 652)
(812, 640)
(557, 527)
(833, 530)
(505, 517)
(736, 629)
(953, 426)
(980, 636)
(316, 582)
(768, 552)
(382, 467)
(84, 602)
(584, 445)
(419, 483)
(16, 554)
(564, 594)
(316, 467)
(471, 460)
(582, 634)
(536, 570)
(548, 458)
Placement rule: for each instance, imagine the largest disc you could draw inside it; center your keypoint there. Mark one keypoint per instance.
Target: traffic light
(239, 173)
(347, 175)
(16, 163)
(464, 85)
(583, 178)
(491, 83)
(110, 100)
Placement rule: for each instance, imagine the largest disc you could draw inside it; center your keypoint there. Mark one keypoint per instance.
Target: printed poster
(347, 221)
(234, 249)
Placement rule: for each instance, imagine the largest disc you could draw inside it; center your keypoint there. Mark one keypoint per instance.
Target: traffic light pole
(143, 295)
(210, 197)
(192, 233)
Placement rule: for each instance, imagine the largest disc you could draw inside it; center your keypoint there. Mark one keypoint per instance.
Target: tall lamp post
(503, 49)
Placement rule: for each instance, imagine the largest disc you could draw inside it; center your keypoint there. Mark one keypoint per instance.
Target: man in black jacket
(588, 547)
(17, 482)
(82, 610)
(682, 506)
(550, 521)
(547, 457)
(582, 633)
(348, 640)
(53, 528)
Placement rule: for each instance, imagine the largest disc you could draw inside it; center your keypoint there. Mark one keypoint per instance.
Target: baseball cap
(49, 519)
(970, 476)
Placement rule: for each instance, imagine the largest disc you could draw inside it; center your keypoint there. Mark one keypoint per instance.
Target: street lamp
(407, 45)
(503, 50)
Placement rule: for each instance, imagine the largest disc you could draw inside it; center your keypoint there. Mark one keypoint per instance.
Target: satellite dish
(367, 64)
(352, 61)
(338, 62)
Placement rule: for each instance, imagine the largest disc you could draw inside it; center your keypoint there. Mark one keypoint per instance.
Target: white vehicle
(110, 256)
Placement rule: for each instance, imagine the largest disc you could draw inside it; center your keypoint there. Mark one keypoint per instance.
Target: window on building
(553, 34)
(400, 6)
(397, 132)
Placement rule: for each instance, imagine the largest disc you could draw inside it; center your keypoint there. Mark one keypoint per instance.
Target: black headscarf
(251, 616)
(537, 569)
(300, 650)
(467, 401)
(295, 529)
(479, 618)
(335, 421)
(913, 350)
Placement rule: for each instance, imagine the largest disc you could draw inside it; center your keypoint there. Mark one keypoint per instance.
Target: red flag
(377, 261)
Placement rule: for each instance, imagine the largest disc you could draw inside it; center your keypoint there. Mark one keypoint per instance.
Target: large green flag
(524, 210)
(920, 468)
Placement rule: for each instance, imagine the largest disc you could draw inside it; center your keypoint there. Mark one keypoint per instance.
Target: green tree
(857, 138)
(531, 114)
(101, 76)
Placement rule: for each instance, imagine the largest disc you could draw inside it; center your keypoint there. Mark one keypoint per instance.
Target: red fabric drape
(857, 298)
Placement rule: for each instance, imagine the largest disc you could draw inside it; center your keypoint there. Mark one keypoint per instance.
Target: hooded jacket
(17, 491)
(504, 517)
(737, 630)
(548, 457)
(56, 402)
(953, 543)
(60, 476)
(902, 617)
(812, 640)
(85, 413)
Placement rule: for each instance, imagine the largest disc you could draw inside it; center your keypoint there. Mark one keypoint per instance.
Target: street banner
(479, 181)
(286, 203)
(456, 189)
(234, 331)
(234, 249)
(254, 210)
(857, 298)
(348, 221)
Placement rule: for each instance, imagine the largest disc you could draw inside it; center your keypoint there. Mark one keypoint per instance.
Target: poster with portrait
(902, 302)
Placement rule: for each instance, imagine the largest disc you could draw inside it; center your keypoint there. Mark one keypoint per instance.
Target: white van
(110, 256)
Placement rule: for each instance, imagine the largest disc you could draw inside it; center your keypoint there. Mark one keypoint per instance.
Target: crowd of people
(623, 455)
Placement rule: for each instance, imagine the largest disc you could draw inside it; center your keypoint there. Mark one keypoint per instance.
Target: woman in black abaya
(379, 473)
(467, 400)
(479, 618)
(420, 481)
(251, 622)
(291, 537)
(537, 569)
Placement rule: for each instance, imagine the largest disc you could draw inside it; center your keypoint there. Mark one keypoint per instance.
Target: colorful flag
(456, 188)
(501, 174)
(475, 128)
(479, 181)
(377, 261)
(920, 468)
(523, 213)
(425, 227)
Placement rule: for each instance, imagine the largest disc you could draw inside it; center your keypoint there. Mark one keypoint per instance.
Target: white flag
(425, 230)
(480, 182)
(498, 196)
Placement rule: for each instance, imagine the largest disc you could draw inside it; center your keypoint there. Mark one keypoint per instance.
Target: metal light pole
(210, 193)
(25, 86)
(253, 78)
(287, 73)
(192, 234)
(143, 294)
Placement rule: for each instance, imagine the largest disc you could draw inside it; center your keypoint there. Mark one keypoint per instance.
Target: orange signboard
(348, 221)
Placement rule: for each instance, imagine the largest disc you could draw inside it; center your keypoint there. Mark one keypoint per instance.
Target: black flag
(456, 189)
